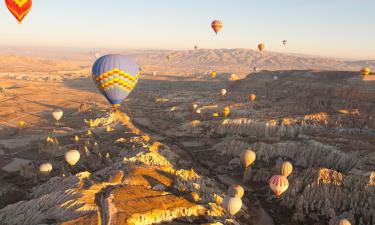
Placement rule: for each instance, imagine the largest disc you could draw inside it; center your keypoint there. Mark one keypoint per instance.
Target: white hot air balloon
(57, 114)
(96, 55)
(72, 157)
(223, 92)
(198, 111)
(154, 74)
(232, 205)
(275, 78)
(195, 106)
(45, 168)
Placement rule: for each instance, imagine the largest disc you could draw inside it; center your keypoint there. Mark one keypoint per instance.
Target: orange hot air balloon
(365, 71)
(278, 184)
(217, 25)
(252, 97)
(19, 8)
(261, 47)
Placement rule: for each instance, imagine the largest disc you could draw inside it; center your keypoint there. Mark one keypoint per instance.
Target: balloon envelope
(236, 190)
(252, 97)
(217, 25)
(115, 76)
(223, 92)
(232, 205)
(248, 157)
(340, 220)
(286, 168)
(19, 8)
(261, 47)
(57, 114)
(365, 71)
(278, 184)
(45, 168)
(72, 157)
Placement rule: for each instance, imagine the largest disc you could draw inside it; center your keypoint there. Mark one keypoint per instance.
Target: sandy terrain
(157, 161)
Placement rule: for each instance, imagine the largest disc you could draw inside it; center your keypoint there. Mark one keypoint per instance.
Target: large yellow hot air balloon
(213, 74)
(232, 205)
(261, 47)
(236, 190)
(365, 71)
(279, 184)
(286, 168)
(252, 97)
(248, 157)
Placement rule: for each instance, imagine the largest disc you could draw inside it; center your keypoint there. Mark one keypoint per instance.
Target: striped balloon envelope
(286, 168)
(115, 76)
(278, 184)
(19, 8)
(217, 25)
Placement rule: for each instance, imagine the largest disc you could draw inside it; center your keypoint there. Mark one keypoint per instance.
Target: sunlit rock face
(163, 161)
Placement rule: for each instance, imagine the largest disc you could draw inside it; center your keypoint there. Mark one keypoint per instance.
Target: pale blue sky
(339, 28)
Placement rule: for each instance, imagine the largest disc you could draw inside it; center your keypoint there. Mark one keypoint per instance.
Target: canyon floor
(157, 161)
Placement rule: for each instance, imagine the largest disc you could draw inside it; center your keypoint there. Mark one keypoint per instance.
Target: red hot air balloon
(19, 8)
(217, 25)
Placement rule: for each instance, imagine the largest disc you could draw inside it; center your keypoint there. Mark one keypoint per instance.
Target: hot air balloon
(216, 25)
(261, 47)
(285, 42)
(232, 205)
(45, 168)
(215, 114)
(286, 168)
(223, 92)
(236, 190)
(96, 55)
(154, 74)
(198, 111)
(255, 69)
(195, 106)
(19, 8)
(275, 78)
(196, 47)
(340, 220)
(226, 111)
(115, 76)
(252, 97)
(72, 157)
(57, 114)
(278, 184)
(213, 74)
(248, 157)
(21, 123)
(168, 57)
(365, 71)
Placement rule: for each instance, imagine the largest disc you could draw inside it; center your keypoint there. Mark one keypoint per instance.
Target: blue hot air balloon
(115, 76)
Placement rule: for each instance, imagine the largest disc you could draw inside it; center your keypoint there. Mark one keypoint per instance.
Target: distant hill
(186, 62)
